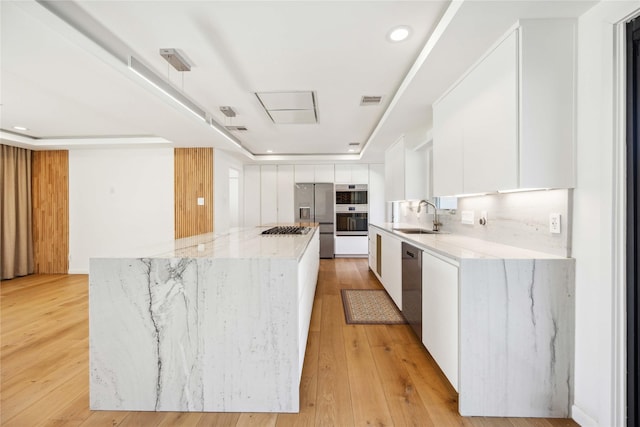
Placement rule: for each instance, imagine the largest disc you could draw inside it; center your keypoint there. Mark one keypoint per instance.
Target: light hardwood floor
(354, 375)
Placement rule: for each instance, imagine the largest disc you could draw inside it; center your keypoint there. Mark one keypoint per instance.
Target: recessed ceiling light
(351, 150)
(269, 151)
(20, 128)
(399, 34)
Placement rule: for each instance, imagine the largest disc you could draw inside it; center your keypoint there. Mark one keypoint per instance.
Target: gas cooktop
(291, 229)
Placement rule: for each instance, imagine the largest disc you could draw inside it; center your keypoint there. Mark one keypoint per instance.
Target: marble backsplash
(517, 219)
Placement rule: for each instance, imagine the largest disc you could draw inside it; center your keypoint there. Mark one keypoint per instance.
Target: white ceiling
(59, 81)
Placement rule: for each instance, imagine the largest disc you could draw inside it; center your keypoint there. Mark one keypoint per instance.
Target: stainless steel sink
(416, 231)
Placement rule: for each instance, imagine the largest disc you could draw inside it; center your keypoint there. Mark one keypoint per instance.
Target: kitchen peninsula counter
(213, 323)
(498, 319)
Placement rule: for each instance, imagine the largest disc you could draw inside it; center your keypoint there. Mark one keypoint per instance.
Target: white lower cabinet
(351, 245)
(392, 267)
(440, 313)
(385, 260)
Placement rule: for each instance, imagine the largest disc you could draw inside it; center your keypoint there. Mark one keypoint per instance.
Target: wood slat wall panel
(193, 178)
(50, 209)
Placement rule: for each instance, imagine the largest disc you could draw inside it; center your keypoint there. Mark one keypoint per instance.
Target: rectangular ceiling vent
(295, 107)
(370, 100)
(354, 144)
(236, 128)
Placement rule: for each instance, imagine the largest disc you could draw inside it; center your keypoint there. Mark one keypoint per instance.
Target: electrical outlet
(468, 217)
(483, 218)
(200, 201)
(554, 223)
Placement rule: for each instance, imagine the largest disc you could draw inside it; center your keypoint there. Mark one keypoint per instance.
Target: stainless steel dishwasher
(412, 287)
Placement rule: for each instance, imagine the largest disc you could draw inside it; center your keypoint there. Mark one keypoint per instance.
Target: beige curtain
(16, 243)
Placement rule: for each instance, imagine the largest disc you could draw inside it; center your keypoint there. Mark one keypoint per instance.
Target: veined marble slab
(516, 337)
(202, 333)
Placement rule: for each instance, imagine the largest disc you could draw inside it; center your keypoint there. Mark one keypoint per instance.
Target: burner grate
(292, 229)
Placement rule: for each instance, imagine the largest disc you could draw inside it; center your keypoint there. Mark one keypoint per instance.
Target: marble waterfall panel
(194, 334)
(146, 334)
(516, 337)
(252, 337)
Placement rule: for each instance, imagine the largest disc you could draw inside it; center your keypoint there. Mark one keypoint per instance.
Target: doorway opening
(633, 229)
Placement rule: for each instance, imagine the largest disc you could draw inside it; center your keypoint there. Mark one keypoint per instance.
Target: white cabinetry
(394, 171)
(490, 139)
(314, 173)
(351, 174)
(376, 193)
(440, 313)
(268, 194)
(475, 127)
(285, 194)
(251, 195)
(351, 245)
(324, 173)
(304, 173)
(509, 122)
(386, 262)
(405, 174)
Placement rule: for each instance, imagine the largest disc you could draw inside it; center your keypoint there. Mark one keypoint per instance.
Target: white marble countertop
(239, 243)
(461, 247)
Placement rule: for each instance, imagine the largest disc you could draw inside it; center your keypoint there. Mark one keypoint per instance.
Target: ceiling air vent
(370, 100)
(354, 144)
(236, 128)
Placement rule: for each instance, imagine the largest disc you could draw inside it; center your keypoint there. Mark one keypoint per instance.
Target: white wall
(222, 207)
(119, 199)
(594, 216)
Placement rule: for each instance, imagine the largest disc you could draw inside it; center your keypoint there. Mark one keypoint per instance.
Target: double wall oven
(352, 210)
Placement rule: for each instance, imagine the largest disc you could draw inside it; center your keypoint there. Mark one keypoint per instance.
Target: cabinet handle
(410, 254)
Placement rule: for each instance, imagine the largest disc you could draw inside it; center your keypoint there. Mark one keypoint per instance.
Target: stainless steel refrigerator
(315, 203)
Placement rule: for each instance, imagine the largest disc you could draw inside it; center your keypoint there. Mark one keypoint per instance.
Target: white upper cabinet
(509, 122)
(490, 150)
(547, 103)
(314, 173)
(323, 173)
(376, 193)
(304, 173)
(448, 173)
(405, 169)
(360, 174)
(394, 171)
(352, 174)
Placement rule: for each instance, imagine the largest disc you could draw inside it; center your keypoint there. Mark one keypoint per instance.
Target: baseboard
(582, 418)
(77, 271)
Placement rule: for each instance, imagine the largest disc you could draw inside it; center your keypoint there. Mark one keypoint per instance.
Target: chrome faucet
(436, 222)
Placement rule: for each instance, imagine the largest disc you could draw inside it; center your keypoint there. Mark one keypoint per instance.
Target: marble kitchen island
(209, 323)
